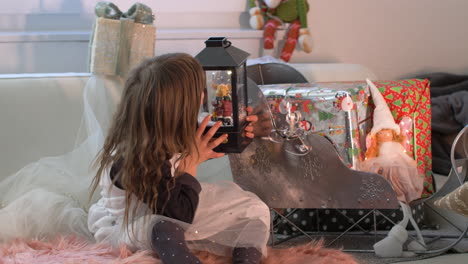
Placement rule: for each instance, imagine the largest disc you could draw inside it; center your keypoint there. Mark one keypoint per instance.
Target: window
(40, 15)
(53, 35)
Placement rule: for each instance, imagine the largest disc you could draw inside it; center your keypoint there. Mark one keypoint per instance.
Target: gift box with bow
(120, 41)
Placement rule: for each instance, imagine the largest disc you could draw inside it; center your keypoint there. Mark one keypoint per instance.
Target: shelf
(161, 34)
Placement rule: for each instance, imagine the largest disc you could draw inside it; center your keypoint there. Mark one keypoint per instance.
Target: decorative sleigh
(291, 168)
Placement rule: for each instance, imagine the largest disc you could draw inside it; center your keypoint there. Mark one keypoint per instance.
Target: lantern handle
(218, 42)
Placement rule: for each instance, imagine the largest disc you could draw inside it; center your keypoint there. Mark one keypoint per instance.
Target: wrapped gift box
(336, 110)
(119, 45)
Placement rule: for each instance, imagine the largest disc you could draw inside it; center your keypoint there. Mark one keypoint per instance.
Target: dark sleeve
(182, 201)
(116, 167)
(183, 193)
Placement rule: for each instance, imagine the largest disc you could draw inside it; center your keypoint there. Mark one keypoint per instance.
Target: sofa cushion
(39, 116)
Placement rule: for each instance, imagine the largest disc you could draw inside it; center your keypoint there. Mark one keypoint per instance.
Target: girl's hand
(252, 119)
(205, 145)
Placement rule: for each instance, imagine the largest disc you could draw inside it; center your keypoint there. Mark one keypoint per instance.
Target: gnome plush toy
(387, 156)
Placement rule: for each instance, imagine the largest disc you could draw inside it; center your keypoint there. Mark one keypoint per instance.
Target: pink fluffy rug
(71, 250)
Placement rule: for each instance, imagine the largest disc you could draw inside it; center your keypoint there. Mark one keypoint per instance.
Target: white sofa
(41, 113)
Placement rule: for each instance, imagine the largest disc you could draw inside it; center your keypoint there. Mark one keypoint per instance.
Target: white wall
(394, 38)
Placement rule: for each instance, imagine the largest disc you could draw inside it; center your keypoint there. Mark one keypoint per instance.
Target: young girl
(147, 170)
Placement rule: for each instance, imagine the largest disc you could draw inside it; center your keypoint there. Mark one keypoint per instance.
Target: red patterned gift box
(411, 98)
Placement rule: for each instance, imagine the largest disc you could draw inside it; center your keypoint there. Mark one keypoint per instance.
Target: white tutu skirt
(399, 169)
(44, 200)
(226, 217)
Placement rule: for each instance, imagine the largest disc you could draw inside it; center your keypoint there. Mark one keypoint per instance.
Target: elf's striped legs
(269, 33)
(290, 45)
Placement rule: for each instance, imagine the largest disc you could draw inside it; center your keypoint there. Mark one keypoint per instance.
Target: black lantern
(225, 92)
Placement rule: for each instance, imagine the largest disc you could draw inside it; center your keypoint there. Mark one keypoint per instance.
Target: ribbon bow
(138, 12)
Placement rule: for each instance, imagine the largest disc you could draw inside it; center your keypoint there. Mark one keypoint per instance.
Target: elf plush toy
(277, 12)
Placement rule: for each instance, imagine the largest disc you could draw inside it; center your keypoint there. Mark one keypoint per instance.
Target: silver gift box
(336, 110)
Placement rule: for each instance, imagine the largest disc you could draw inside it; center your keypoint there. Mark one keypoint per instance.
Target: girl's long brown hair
(156, 119)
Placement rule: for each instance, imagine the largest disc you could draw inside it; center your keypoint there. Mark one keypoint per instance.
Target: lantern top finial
(220, 53)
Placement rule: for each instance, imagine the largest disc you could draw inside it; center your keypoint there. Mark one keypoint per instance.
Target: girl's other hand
(205, 145)
(252, 119)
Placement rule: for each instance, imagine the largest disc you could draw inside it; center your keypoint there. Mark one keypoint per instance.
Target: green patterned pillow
(456, 201)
